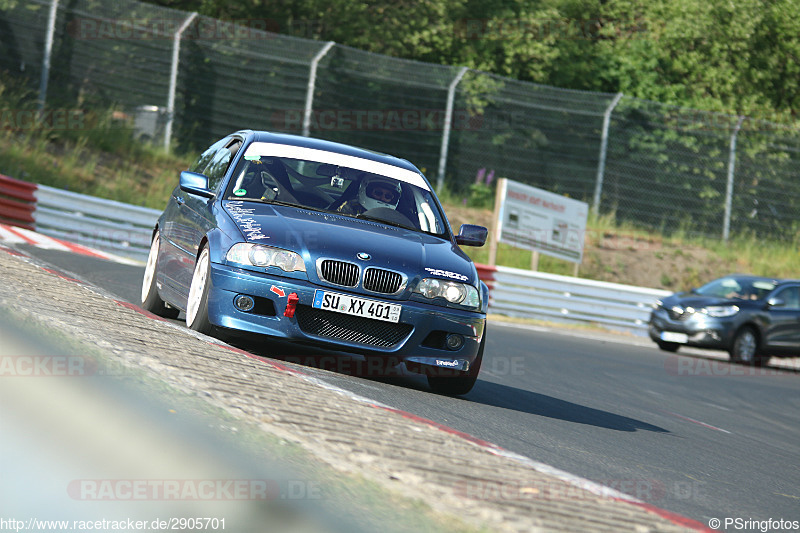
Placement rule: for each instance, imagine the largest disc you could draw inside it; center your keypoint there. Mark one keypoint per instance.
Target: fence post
(312, 81)
(601, 165)
(173, 78)
(48, 50)
(726, 227)
(448, 122)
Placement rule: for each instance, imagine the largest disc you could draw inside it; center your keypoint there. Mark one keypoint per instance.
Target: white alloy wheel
(151, 300)
(745, 346)
(150, 268)
(198, 292)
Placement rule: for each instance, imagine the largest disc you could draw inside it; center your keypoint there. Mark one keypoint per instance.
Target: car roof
(330, 146)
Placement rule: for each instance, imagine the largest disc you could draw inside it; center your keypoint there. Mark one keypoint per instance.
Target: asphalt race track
(691, 435)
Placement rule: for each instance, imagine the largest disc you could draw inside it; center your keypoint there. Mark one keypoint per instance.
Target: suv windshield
(739, 288)
(337, 189)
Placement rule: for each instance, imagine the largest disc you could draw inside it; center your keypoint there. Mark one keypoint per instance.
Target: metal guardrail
(527, 294)
(115, 227)
(125, 230)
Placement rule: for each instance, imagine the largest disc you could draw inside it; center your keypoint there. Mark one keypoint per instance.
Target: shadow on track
(496, 395)
(345, 363)
(485, 392)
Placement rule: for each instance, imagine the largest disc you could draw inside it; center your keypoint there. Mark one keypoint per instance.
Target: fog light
(244, 303)
(454, 341)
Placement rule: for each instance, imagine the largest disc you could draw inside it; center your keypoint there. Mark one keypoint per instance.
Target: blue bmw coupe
(323, 243)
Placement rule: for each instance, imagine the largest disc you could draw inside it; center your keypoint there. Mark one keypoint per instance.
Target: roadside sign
(535, 219)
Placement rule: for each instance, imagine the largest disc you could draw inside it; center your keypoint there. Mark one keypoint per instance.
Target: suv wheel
(745, 348)
(668, 346)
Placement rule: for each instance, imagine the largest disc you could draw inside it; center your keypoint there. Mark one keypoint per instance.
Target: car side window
(218, 166)
(790, 297)
(205, 158)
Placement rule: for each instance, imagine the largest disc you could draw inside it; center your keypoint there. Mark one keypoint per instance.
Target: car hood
(696, 301)
(318, 235)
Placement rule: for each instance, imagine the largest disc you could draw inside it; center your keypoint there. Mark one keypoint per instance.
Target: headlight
(452, 291)
(720, 311)
(265, 256)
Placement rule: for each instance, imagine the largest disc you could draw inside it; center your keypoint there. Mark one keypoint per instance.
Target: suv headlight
(265, 256)
(452, 291)
(720, 311)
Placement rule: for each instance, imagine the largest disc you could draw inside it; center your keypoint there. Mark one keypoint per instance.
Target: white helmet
(377, 191)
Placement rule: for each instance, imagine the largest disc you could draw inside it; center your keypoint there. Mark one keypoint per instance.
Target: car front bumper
(697, 330)
(417, 338)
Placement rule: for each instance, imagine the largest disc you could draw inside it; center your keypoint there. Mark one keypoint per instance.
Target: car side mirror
(776, 302)
(195, 183)
(472, 235)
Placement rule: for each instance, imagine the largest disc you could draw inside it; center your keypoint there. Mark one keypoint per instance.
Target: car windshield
(737, 288)
(340, 189)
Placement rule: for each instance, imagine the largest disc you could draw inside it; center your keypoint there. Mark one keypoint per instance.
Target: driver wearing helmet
(373, 192)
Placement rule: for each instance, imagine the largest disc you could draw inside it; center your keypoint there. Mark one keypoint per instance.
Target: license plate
(350, 305)
(671, 336)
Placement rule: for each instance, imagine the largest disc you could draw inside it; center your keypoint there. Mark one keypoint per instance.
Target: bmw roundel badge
(364, 256)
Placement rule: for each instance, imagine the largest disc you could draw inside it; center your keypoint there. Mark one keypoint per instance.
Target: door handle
(179, 200)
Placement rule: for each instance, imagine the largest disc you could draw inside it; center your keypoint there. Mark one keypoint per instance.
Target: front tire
(668, 346)
(150, 299)
(745, 348)
(458, 385)
(197, 304)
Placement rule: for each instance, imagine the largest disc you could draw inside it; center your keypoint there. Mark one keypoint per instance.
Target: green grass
(99, 157)
(767, 258)
(142, 176)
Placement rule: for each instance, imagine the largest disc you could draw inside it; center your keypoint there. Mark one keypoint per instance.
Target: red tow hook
(291, 305)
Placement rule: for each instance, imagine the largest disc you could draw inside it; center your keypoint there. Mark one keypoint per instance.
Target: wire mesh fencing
(657, 166)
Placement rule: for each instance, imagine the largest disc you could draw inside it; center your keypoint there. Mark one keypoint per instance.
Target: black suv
(751, 317)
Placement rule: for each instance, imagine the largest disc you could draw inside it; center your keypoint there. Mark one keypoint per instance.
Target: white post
(173, 78)
(48, 50)
(494, 233)
(726, 228)
(448, 122)
(312, 81)
(601, 165)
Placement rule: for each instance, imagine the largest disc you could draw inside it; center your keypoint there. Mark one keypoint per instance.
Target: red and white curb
(15, 235)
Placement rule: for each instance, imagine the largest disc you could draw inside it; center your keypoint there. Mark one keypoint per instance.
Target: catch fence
(185, 80)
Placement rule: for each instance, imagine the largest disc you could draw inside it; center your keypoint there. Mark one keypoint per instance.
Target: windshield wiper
(384, 221)
(277, 202)
(265, 201)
